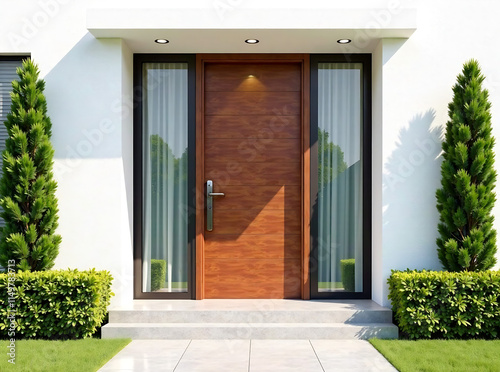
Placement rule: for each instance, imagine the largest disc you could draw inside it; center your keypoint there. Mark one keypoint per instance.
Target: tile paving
(248, 356)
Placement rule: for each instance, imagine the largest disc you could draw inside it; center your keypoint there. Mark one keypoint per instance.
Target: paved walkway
(248, 356)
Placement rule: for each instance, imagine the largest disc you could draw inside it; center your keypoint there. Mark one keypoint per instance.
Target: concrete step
(250, 311)
(250, 319)
(277, 331)
(250, 316)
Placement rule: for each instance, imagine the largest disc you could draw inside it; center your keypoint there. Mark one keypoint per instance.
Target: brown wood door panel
(279, 277)
(252, 150)
(252, 103)
(228, 77)
(252, 153)
(260, 197)
(253, 221)
(258, 269)
(255, 126)
(253, 246)
(231, 172)
(252, 290)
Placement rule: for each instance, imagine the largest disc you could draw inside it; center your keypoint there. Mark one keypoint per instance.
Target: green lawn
(86, 355)
(441, 355)
(330, 285)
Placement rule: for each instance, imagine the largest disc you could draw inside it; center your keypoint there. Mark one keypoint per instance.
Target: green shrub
(59, 304)
(158, 274)
(347, 274)
(465, 201)
(28, 200)
(429, 304)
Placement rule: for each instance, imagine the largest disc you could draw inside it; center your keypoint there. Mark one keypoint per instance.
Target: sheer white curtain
(339, 172)
(165, 169)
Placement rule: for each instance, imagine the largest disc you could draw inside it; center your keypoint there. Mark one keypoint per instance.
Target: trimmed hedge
(430, 304)
(57, 304)
(347, 274)
(158, 274)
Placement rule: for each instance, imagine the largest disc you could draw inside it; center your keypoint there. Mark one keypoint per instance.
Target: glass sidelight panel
(338, 204)
(165, 177)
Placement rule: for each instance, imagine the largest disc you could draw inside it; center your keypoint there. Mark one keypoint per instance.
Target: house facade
(236, 149)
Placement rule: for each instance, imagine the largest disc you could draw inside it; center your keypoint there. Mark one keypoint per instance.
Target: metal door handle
(210, 204)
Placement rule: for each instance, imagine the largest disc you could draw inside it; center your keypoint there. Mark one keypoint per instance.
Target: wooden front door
(252, 153)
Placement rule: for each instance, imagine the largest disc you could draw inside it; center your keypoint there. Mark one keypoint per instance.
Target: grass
(441, 355)
(87, 355)
(177, 285)
(330, 285)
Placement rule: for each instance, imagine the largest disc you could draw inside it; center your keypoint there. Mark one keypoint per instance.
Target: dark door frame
(366, 149)
(196, 178)
(139, 60)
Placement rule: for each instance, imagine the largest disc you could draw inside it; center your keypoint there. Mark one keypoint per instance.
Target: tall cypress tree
(27, 187)
(467, 239)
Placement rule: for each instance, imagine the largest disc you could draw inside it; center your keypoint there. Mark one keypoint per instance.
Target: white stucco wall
(89, 87)
(93, 142)
(415, 91)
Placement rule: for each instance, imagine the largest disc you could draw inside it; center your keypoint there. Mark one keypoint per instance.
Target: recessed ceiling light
(251, 41)
(161, 41)
(344, 41)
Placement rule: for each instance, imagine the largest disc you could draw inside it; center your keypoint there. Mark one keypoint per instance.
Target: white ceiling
(279, 30)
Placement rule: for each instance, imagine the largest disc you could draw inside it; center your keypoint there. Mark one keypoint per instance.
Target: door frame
(138, 192)
(201, 61)
(366, 148)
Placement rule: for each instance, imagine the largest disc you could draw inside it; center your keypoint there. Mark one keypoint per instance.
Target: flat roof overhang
(279, 30)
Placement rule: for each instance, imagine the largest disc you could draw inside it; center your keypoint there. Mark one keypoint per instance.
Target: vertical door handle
(210, 204)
